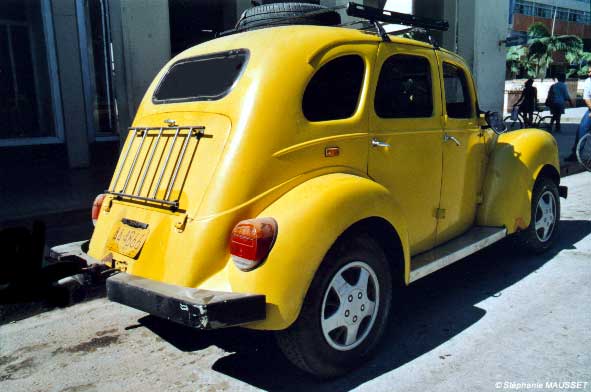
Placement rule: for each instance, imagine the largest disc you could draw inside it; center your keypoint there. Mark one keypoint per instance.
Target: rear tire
(545, 123)
(345, 310)
(545, 217)
(513, 125)
(584, 151)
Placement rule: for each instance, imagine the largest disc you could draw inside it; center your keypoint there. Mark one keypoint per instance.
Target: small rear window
(204, 78)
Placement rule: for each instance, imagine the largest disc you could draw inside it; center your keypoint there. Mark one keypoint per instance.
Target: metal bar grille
(144, 162)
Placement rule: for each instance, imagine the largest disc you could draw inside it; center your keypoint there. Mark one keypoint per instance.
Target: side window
(404, 88)
(457, 94)
(333, 92)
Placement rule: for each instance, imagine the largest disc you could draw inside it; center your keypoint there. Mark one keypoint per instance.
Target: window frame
(201, 98)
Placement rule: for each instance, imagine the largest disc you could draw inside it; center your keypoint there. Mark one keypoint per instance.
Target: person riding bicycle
(558, 96)
(527, 102)
(585, 124)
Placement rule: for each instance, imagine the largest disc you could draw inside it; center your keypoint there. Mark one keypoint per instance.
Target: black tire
(545, 123)
(512, 125)
(278, 13)
(539, 240)
(584, 151)
(321, 349)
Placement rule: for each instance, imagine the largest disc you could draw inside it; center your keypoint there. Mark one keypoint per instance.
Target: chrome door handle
(447, 138)
(376, 143)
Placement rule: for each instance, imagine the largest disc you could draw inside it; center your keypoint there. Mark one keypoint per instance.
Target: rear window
(204, 78)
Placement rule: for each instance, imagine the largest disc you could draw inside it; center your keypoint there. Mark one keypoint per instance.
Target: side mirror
(495, 122)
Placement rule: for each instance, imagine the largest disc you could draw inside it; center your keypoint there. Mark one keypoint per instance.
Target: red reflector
(251, 242)
(96, 207)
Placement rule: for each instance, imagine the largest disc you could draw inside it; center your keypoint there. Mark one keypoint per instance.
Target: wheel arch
(387, 238)
(329, 207)
(516, 161)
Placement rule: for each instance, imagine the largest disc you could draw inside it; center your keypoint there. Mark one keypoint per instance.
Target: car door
(406, 135)
(463, 151)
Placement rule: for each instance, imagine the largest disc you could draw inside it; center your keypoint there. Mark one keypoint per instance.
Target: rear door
(407, 135)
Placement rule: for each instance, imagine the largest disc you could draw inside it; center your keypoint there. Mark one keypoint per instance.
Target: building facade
(561, 17)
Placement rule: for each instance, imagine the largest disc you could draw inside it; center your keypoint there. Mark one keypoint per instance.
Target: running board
(471, 242)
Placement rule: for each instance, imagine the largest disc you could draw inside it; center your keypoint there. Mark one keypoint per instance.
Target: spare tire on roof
(291, 13)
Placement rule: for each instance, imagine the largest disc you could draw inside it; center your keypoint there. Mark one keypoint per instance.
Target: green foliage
(539, 49)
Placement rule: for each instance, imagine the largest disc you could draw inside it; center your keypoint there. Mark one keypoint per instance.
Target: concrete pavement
(495, 321)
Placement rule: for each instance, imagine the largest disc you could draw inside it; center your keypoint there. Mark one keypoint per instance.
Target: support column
(140, 32)
(475, 30)
(70, 74)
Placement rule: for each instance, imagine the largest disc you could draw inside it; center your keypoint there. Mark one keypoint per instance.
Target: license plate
(127, 240)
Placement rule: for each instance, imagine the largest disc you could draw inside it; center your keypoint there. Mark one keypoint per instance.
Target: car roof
(305, 38)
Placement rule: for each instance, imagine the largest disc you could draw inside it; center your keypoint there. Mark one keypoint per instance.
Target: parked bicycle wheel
(584, 151)
(511, 124)
(545, 123)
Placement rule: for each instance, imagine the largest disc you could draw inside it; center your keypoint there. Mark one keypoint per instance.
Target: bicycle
(538, 121)
(584, 151)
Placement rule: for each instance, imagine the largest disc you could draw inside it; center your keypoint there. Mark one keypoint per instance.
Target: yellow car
(289, 178)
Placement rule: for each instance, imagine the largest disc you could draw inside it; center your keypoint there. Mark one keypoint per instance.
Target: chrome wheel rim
(545, 217)
(350, 306)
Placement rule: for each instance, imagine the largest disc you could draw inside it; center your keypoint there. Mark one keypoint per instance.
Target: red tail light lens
(96, 207)
(252, 241)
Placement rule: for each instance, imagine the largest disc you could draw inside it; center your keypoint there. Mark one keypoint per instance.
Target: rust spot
(520, 223)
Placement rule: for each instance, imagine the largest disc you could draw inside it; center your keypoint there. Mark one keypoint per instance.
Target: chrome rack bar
(178, 164)
(139, 149)
(377, 14)
(166, 163)
(124, 158)
(174, 204)
(149, 163)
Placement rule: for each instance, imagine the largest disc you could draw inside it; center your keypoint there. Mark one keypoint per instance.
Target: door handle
(447, 138)
(376, 143)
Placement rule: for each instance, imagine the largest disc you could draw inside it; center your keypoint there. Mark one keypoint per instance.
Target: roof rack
(379, 15)
(374, 16)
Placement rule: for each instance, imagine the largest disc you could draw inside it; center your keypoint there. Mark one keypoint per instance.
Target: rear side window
(333, 93)
(457, 94)
(404, 88)
(204, 78)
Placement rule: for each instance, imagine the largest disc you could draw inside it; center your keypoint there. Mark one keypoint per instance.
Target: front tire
(345, 310)
(545, 217)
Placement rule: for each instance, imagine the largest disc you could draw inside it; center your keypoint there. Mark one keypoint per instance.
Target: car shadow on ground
(431, 311)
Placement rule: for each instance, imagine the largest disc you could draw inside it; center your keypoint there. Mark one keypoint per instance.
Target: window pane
(25, 102)
(201, 78)
(404, 88)
(333, 92)
(457, 95)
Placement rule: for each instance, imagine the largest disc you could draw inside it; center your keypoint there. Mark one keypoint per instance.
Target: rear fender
(514, 165)
(310, 218)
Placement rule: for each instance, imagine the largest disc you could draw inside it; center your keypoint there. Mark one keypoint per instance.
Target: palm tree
(541, 45)
(515, 59)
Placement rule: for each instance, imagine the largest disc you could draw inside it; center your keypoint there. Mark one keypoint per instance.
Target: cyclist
(527, 102)
(585, 124)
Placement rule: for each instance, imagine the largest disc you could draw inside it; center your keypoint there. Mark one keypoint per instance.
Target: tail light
(96, 207)
(251, 242)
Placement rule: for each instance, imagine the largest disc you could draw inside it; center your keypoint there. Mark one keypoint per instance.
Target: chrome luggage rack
(135, 192)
